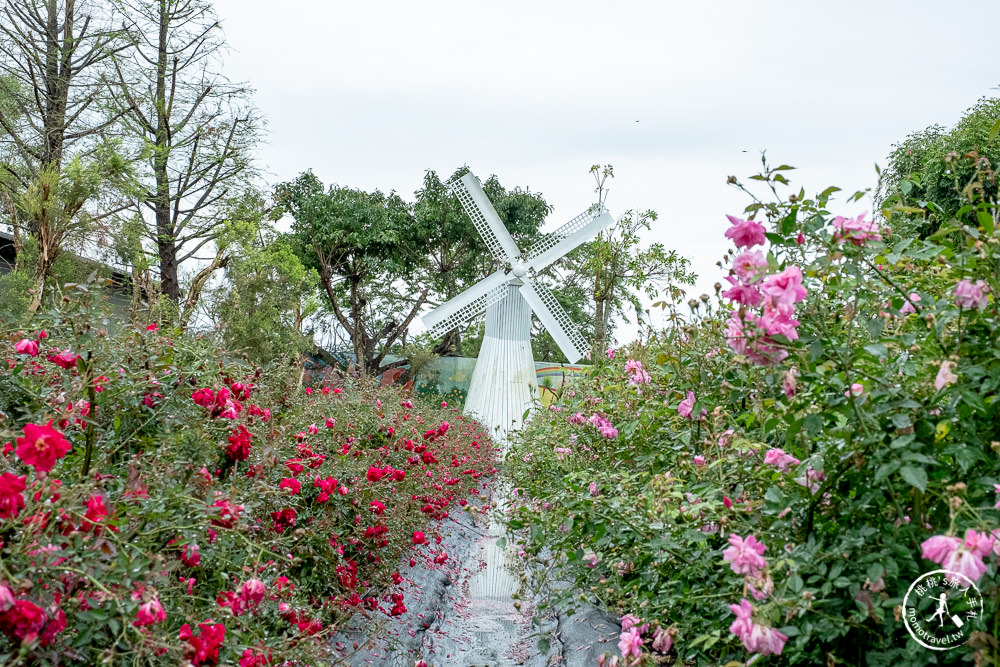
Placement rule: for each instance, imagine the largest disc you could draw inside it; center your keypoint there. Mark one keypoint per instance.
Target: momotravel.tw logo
(941, 609)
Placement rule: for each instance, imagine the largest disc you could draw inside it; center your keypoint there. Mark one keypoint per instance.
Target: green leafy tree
(362, 245)
(54, 202)
(53, 59)
(381, 259)
(618, 271)
(933, 172)
(267, 297)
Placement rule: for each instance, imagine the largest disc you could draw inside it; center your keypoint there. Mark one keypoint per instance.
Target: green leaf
(885, 470)
(919, 458)
(877, 350)
(793, 431)
(788, 224)
(915, 477)
(543, 645)
(994, 131)
(985, 221)
(901, 421)
(795, 584)
(902, 441)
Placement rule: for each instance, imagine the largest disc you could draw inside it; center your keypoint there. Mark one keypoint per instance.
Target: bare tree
(53, 56)
(198, 133)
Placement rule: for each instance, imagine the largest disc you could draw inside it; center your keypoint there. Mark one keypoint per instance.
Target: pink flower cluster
(964, 556)
(603, 425)
(856, 231)
(756, 638)
(636, 373)
(750, 334)
(746, 557)
(970, 294)
(780, 460)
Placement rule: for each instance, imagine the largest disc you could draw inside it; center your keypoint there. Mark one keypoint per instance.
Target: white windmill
(504, 382)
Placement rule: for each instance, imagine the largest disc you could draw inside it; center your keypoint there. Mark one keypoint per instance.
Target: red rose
(203, 397)
(228, 513)
(239, 444)
(11, 498)
(150, 613)
(41, 446)
(96, 515)
(26, 346)
(284, 519)
(204, 648)
(64, 359)
(23, 619)
(292, 485)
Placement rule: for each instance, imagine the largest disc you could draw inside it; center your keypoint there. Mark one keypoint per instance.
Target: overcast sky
(677, 96)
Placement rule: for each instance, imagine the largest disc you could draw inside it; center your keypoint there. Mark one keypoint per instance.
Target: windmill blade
(485, 218)
(465, 306)
(574, 233)
(555, 319)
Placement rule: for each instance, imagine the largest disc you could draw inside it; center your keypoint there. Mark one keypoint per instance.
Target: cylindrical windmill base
(504, 384)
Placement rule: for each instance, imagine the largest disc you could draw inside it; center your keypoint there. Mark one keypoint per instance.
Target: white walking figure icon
(942, 609)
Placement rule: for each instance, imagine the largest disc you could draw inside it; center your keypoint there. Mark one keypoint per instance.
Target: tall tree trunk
(57, 77)
(49, 240)
(600, 328)
(357, 329)
(166, 241)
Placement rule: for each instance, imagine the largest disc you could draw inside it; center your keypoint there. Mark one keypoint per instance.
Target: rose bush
(803, 447)
(163, 501)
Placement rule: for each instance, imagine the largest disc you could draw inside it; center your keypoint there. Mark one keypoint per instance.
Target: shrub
(162, 501)
(771, 476)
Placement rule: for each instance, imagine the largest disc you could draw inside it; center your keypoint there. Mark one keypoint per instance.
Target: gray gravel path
(461, 614)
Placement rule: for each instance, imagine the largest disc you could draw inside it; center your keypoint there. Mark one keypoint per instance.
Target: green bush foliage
(850, 425)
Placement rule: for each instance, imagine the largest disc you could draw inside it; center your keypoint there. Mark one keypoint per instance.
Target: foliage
(193, 131)
(267, 296)
(361, 244)
(616, 271)
(196, 486)
(53, 60)
(867, 426)
(381, 258)
(54, 202)
(933, 168)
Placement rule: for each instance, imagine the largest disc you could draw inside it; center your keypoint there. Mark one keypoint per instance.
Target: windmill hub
(520, 269)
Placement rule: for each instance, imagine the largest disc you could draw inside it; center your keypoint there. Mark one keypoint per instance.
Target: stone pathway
(461, 614)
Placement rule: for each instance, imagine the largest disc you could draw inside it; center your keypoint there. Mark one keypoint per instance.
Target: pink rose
(745, 233)
(750, 266)
(686, 407)
(745, 556)
(785, 288)
(970, 294)
(945, 375)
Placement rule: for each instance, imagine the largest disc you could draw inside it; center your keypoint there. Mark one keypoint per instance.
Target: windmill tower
(504, 382)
